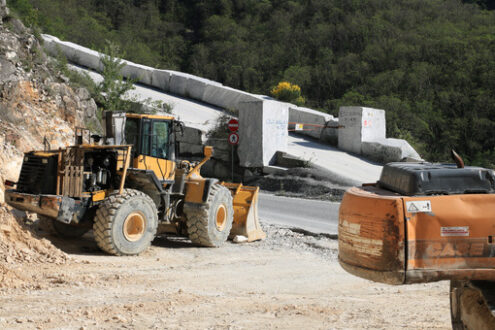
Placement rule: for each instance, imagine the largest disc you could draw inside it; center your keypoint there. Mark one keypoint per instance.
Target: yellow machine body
(167, 181)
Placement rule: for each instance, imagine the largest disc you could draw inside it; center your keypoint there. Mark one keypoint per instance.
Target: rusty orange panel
(371, 234)
(450, 232)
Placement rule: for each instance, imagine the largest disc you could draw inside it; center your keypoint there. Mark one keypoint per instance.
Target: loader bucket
(246, 221)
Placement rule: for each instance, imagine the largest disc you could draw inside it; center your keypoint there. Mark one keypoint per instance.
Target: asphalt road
(310, 215)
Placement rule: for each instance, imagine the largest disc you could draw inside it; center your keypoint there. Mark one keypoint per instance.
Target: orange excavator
(424, 222)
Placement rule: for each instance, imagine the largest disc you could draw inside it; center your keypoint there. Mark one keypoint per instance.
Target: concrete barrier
(309, 117)
(389, 150)
(262, 132)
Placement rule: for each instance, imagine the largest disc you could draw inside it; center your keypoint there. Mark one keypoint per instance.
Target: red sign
(233, 125)
(233, 139)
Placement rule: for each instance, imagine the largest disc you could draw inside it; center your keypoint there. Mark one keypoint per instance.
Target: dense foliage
(429, 63)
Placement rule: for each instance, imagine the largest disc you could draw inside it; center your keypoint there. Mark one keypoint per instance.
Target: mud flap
(246, 222)
(66, 210)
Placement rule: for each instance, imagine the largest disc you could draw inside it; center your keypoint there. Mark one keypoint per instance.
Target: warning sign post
(233, 125)
(234, 139)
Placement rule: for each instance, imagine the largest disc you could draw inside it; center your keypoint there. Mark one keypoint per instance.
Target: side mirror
(179, 127)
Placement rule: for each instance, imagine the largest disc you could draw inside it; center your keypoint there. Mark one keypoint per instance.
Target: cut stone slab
(178, 83)
(330, 134)
(73, 52)
(190, 149)
(138, 72)
(191, 135)
(314, 120)
(226, 97)
(286, 160)
(196, 87)
(222, 150)
(360, 124)
(275, 170)
(389, 150)
(262, 132)
(161, 80)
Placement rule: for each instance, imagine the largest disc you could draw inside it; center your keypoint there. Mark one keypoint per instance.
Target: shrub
(287, 92)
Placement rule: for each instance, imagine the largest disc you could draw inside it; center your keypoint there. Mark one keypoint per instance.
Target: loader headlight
(106, 162)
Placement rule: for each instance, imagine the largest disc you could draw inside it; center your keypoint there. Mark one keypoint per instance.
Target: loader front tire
(126, 224)
(209, 224)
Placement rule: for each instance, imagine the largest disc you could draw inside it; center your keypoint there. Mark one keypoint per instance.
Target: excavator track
(472, 305)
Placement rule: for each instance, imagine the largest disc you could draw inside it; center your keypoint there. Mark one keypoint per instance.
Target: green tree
(113, 87)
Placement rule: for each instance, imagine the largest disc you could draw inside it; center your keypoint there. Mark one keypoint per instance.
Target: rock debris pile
(20, 246)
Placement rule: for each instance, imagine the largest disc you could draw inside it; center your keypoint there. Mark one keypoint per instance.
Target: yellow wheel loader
(129, 187)
(424, 222)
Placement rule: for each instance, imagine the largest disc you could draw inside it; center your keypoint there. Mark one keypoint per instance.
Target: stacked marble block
(363, 132)
(262, 121)
(263, 131)
(319, 125)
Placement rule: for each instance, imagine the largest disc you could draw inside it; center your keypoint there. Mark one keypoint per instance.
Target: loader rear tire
(209, 224)
(126, 224)
(54, 227)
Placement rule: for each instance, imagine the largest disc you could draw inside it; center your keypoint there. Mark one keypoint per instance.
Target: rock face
(4, 11)
(36, 105)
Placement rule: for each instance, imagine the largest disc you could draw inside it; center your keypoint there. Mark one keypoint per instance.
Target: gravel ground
(306, 183)
(288, 281)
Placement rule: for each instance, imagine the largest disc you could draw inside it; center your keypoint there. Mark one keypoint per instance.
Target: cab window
(159, 139)
(146, 138)
(131, 132)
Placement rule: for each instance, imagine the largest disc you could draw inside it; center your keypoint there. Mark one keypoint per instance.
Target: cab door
(155, 149)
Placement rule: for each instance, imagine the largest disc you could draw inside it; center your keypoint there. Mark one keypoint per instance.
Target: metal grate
(32, 174)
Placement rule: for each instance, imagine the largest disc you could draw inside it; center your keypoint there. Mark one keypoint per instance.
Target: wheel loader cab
(153, 143)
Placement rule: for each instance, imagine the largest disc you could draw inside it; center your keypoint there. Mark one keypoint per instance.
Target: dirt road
(290, 281)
